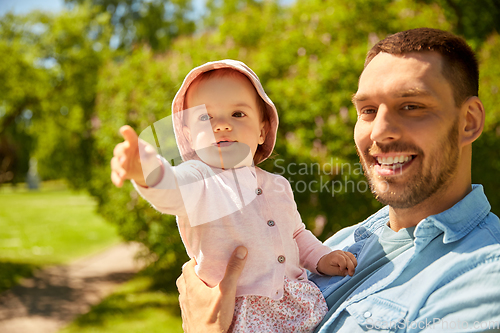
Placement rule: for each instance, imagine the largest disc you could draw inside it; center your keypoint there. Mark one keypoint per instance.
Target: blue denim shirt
(449, 280)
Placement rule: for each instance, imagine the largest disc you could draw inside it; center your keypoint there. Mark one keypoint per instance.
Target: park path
(56, 295)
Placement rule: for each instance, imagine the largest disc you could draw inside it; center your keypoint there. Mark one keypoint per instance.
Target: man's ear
(474, 120)
(187, 135)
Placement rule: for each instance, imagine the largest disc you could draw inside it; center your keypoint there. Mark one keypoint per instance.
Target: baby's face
(223, 122)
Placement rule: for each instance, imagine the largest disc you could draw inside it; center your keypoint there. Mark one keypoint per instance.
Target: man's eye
(367, 111)
(204, 117)
(410, 107)
(239, 114)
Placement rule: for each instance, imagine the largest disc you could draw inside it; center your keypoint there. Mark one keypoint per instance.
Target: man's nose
(385, 126)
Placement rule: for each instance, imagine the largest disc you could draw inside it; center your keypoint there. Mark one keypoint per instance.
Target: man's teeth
(394, 159)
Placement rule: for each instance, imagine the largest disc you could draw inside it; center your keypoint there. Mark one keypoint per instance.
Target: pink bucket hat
(178, 105)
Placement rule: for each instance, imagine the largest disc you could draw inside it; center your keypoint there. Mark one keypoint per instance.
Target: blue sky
(24, 6)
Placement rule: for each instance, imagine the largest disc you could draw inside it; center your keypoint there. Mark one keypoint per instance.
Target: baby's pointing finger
(129, 135)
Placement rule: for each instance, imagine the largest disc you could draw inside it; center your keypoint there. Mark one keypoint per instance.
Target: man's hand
(337, 263)
(126, 161)
(205, 309)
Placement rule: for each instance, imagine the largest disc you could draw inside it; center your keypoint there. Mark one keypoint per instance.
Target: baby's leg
(301, 309)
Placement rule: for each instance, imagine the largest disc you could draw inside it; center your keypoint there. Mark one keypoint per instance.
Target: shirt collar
(368, 227)
(455, 222)
(460, 219)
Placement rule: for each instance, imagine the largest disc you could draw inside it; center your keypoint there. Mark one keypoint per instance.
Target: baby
(224, 125)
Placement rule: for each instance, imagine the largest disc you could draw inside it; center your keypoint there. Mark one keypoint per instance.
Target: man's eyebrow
(412, 92)
(358, 98)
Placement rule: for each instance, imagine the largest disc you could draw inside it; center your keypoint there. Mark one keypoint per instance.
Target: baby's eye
(239, 114)
(204, 117)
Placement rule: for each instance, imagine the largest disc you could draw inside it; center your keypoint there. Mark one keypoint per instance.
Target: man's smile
(392, 164)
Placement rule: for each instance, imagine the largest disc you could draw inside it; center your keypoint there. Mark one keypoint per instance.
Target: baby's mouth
(224, 143)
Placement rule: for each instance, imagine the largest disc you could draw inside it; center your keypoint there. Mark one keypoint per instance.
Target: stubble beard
(422, 185)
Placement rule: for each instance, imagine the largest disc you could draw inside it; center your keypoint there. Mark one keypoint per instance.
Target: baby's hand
(126, 161)
(337, 263)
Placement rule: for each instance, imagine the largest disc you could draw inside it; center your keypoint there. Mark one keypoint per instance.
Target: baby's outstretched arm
(126, 161)
(337, 263)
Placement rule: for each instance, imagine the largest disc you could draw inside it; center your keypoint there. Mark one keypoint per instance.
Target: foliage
(486, 152)
(155, 22)
(23, 87)
(474, 20)
(51, 66)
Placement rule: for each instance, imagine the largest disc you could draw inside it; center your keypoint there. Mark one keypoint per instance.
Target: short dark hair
(459, 66)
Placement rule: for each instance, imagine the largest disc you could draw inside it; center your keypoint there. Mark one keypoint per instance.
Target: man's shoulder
(491, 224)
(485, 233)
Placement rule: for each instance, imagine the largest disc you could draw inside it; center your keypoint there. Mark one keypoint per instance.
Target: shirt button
(281, 259)
(270, 223)
(367, 314)
(258, 191)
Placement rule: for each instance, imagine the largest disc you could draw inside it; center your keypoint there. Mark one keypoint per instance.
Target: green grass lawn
(134, 308)
(55, 226)
(50, 226)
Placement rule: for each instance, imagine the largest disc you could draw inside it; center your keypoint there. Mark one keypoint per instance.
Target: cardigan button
(270, 223)
(281, 259)
(258, 191)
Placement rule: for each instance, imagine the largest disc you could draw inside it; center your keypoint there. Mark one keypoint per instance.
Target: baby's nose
(222, 125)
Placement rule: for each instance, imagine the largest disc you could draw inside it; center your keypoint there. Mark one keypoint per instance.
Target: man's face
(407, 129)
(226, 130)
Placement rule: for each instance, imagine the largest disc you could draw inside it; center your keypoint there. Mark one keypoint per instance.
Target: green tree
(154, 22)
(23, 86)
(76, 46)
(51, 65)
(486, 152)
(474, 20)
